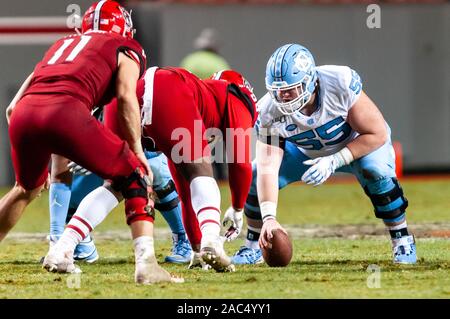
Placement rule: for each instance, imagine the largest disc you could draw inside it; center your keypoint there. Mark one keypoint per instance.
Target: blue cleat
(86, 251)
(247, 256)
(181, 250)
(404, 250)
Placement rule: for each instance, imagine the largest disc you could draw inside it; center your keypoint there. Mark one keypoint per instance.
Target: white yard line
(423, 230)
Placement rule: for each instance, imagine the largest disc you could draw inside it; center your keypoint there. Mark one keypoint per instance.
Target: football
(280, 253)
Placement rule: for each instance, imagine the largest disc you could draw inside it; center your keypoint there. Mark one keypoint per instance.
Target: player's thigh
(292, 167)
(30, 164)
(30, 153)
(93, 146)
(376, 165)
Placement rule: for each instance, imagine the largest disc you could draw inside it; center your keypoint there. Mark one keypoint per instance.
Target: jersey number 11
(84, 39)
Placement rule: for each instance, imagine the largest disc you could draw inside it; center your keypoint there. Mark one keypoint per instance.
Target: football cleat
(181, 250)
(152, 273)
(52, 240)
(213, 254)
(59, 261)
(247, 256)
(86, 251)
(404, 250)
(197, 262)
(148, 271)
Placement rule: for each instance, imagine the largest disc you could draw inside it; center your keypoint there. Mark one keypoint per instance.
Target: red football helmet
(108, 16)
(245, 87)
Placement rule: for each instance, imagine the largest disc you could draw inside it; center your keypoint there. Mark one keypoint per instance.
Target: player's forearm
(240, 179)
(366, 143)
(268, 161)
(267, 185)
(130, 121)
(17, 97)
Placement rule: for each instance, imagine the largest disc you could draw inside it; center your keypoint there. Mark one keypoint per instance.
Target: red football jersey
(210, 96)
(84, 66)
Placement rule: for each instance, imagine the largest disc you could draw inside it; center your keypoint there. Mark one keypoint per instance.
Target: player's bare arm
(268, 162)
(365, 118)
(128, 106)
(17, 97)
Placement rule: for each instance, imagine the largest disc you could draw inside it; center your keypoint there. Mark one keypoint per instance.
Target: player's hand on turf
(321, 168)
(268, 228)
(234, 220)
(76, 169)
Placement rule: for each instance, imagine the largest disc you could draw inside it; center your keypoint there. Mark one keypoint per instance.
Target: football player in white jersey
(314, 121)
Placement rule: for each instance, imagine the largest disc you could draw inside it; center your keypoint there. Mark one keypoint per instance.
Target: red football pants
(45, 124)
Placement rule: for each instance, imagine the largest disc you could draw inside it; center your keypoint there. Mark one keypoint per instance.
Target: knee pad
(139, 197)
(163, 193)
(251, 209)
(388, 204)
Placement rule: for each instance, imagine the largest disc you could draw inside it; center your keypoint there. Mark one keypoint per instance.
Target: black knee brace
(142, 181)
(394, 198)
(164, 192)
(143, 190)
(252, 200)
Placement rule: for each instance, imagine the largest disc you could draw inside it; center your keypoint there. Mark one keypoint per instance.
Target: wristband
(268, 210)
(343, 157)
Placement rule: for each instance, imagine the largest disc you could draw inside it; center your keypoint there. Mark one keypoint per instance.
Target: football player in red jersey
(176, 102)
(51, 114)
(178, 112)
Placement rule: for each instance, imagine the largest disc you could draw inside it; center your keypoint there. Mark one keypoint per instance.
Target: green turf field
(321, 267)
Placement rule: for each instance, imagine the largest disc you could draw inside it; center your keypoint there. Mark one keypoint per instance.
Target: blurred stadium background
(405, 64)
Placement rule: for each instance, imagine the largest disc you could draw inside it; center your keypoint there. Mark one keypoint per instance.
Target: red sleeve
(240, 179)
(239, 143)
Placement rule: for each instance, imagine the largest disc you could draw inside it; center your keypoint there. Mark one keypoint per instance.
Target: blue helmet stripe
(278, 63)
(275, 70)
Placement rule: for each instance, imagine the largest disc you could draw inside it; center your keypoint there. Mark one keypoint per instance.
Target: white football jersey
(326, 131)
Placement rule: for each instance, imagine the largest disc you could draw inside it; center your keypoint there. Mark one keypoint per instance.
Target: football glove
(233, 221)
(322, 167)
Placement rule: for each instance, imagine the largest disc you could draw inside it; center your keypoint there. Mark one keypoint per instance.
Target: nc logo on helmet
(302, 61)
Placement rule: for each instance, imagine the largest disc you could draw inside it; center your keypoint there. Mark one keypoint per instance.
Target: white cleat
(149, 272)
(213, 254)
(61, 262)
(197, 262)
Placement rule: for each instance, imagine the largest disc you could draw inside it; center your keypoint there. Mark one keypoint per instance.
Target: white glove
(323, 167)
(76, 169)
(233, 220)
